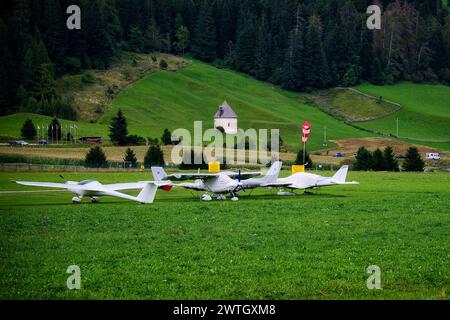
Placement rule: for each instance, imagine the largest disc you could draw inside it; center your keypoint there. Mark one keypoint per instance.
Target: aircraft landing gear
(95, 199)
(206, 197)
(281, 192)
(218, 196)
(76, 199)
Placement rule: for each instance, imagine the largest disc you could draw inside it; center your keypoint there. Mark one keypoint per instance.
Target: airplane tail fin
(158, 173)
(341, 175)
(147, 194)
(274, 172)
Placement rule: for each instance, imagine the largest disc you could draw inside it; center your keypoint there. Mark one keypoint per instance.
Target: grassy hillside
(262, 247)
(93, 91)
(168, 99)
(177, 99)
(425, 115)
(350, 105)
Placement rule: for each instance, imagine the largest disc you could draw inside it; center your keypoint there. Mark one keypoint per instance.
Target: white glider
(95, 190)
(303, 180)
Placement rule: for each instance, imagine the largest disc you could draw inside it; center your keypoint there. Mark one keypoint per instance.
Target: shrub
(413, 161)
(389, 157)
(28, 130)
(378, 161)
(154, 156)
(136, 140)
(130, 156)
(166, 138)
(88, 78)
(72, 64)
(95, 158)
(128, 73)
(299, 159)
(363, 160)
(163, 64)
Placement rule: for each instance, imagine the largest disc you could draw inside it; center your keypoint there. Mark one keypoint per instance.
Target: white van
(433, 156)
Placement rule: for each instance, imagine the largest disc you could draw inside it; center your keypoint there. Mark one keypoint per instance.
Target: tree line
(386, 161)
(297, 44)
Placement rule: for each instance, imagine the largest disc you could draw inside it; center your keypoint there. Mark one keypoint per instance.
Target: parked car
(42, 142)
(433, 156)
(338, 155)
(18, 143)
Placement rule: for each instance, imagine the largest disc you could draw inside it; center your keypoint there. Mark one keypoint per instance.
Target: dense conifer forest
(300, 45)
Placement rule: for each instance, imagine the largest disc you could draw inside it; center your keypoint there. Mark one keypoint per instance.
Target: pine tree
(152, 37)
(244, 53)
(316, 65)
(130, 156)
(166, 138)
(154, 156)
(263, 53)
(95, 158)
(28, 69)
(299, 159)
(22, 98)
(44, 85)
(136, 42)
(53, 31)
(182, 39)
(378, 161)
(118, 130)
(363, 160)
(413, 161)
(204, 42)
(293, 68)
(28, 130)
(54, 130)
(98, 42)
(389, 157)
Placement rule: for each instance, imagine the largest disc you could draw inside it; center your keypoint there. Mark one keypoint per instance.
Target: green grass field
(425, 115)
(262, 247)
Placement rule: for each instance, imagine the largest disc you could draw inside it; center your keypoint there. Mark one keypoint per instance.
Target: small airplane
(303, 180)
(95, 190)
(218, 184)
(270, 177)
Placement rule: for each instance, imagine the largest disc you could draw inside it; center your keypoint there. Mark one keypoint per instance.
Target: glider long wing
(46, 184)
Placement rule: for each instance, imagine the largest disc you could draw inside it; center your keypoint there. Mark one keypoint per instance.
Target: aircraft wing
(277, 184)
(134, 185)
(72, 186)
(295, 185)
(45, 184)
(244, 175)
(192, 176)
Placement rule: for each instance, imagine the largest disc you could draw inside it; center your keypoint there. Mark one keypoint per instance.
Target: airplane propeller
(239, 186)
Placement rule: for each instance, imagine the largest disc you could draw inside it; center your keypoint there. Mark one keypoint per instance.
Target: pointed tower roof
(225, 112)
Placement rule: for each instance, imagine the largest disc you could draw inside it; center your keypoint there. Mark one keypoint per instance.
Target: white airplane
(217, 183)
(95, 190)
(270, 177)
(303, 180)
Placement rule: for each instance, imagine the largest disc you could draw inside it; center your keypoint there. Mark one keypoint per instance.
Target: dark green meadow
(263, 247)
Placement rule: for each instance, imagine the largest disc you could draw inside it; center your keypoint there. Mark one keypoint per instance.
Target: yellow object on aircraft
(214, 167)
(298, 168)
